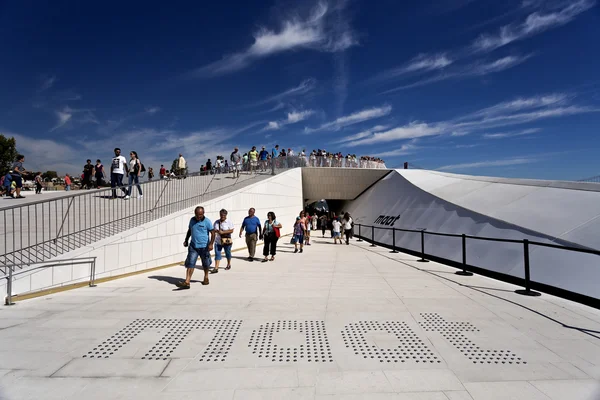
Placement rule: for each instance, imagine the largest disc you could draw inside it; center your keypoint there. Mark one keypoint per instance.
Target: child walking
(299, 228)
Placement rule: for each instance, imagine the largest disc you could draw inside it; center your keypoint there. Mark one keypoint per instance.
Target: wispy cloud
(47, 83)
(68, 116)
(412, 130)
(304, 87)
(362, 134)
(534, 24)
(292, 118)
(401, 151)
(152, 110)
(466, 71)
(313, 32)
(504, 135)
(489, 163)
(355, 118)
(421, 63)
(462, 62)
(516, 112)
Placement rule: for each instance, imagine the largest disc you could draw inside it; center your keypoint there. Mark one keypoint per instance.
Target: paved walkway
(336, 322)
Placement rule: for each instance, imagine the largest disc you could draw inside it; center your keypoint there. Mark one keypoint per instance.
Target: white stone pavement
(336, 322)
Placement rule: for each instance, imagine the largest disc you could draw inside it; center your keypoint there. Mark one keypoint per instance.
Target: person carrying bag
(223, 240)
(271, 234)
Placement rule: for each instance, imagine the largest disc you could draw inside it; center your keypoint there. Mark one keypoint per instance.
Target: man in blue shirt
(253, 232)
(202, 234)
(262, 156)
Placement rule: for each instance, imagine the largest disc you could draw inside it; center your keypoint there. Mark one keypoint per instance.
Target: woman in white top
(347, 226)
(223, 241)
(135, 167)
(270, 236)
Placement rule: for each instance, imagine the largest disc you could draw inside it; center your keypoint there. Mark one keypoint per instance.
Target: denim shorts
(219, 248)
(18, 180)
(298, 238)
(193, 254)
(336, 234)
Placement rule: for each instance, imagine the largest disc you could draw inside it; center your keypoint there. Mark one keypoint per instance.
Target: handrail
(43, 229)
(526, 243)
(50, 264)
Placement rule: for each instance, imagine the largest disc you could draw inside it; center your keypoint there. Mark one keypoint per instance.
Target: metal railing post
(527, 291)
(393, 241)
(464, 271)
(423, 260)
(272, 164)
(372, 235)
(359, 235)
(8, 301)
(64, 219)
(93, 273)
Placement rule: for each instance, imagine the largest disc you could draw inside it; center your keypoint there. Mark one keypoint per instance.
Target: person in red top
(67, 182)
(163, 172)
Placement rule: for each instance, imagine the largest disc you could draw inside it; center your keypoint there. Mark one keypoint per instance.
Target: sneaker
(141, 196)
(301, 250)
(126, 197)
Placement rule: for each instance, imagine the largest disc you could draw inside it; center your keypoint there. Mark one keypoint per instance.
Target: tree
(49, 175)
(8, 153)
(174, 165)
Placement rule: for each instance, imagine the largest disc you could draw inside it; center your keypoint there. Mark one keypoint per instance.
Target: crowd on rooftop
(95, 175)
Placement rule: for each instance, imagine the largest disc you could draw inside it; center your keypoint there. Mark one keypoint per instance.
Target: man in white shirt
(223, 229)
(118, 168)
(181, 165)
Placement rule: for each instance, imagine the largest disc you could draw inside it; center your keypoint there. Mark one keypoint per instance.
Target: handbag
(226, 240)
(277, 232)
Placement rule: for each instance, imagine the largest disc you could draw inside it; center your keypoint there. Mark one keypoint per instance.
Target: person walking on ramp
(202, 233)
(253, 231)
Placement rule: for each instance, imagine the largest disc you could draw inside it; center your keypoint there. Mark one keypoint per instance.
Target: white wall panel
(160, 242)
(528, 212)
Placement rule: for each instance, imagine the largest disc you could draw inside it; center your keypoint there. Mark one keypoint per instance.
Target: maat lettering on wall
(387, 220)
(402, 344)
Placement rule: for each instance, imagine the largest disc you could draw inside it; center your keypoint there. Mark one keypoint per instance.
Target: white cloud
(304, 87)
(152, 110)
(63, 117)
(272, 125)
(362, 134)
(504, 135)
(401, 151)
(475, 69)
(521, 104)
(410, 131)
(355, 118)
(490, 163)
(534, 24)
(48, 155)
(48, 82)
(292, 118)
(444, 65)
(516, 112)
(421, 63)
(314, 32)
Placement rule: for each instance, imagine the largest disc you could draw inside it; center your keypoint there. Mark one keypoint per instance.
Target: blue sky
(507, 88)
